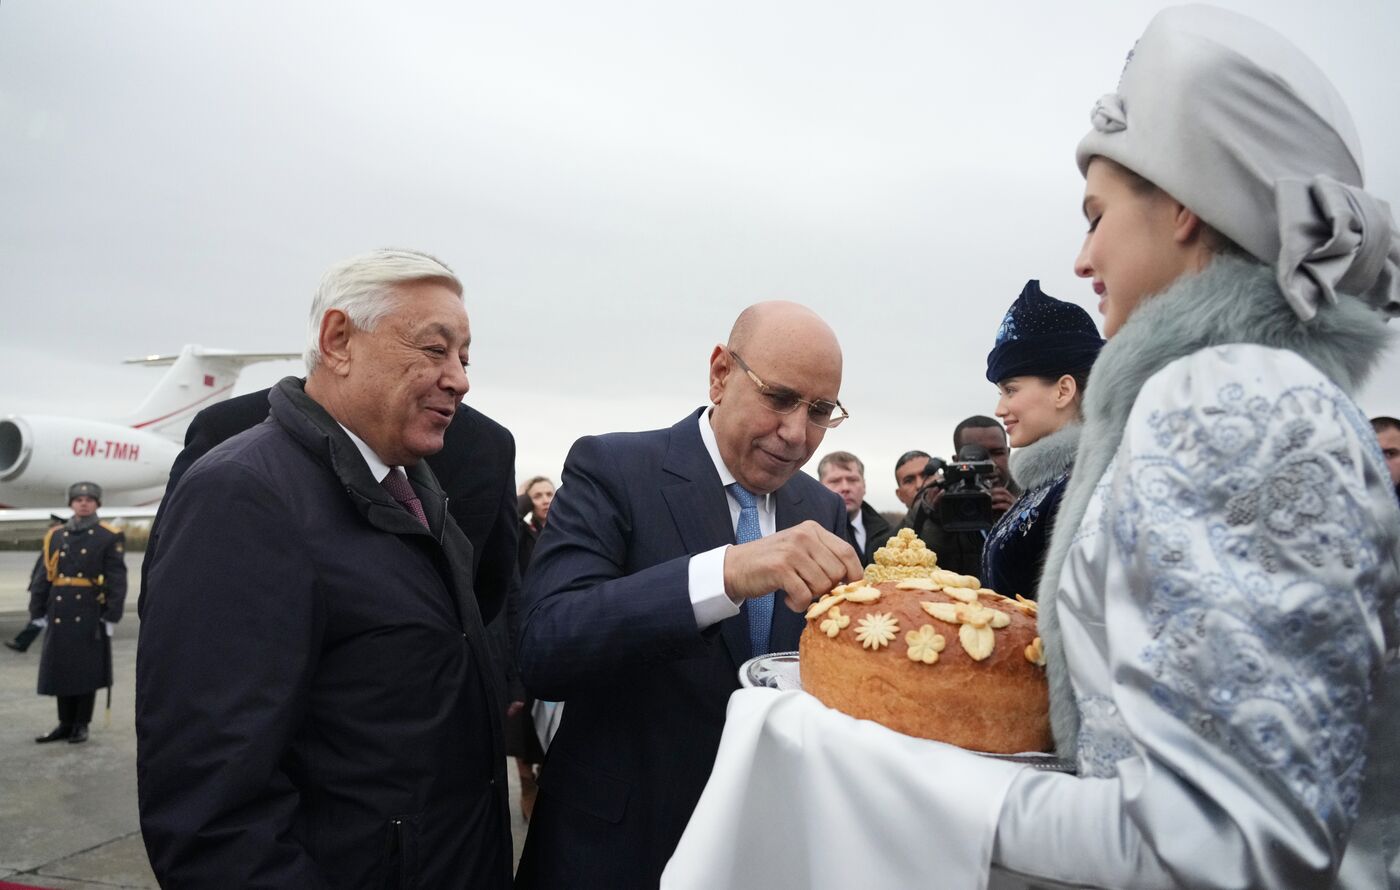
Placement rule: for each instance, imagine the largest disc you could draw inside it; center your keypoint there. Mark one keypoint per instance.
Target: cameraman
(962, 551)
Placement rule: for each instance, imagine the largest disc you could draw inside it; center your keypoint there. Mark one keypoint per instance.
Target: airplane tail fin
(198, 377)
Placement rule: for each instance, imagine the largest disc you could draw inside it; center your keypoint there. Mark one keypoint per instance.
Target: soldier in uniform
(78, 590)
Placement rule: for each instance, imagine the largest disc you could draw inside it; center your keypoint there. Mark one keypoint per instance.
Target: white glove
(40, 622)
(108, 625)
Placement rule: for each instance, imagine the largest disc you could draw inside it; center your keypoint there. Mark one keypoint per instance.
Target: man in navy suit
(654, 581)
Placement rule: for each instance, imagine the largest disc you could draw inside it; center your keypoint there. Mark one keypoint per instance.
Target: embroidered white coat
(1221, 611)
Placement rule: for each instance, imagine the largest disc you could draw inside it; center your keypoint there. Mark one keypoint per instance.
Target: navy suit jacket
(609, 629)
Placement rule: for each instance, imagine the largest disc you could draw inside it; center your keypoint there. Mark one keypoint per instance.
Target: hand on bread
(804, 562)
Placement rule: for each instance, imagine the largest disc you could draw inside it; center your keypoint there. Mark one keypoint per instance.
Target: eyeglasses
(821, 412)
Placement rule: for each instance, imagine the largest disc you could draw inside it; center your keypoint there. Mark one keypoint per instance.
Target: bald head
(778, 321)
(792, 352)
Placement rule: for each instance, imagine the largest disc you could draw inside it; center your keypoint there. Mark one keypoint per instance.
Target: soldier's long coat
(79, 583)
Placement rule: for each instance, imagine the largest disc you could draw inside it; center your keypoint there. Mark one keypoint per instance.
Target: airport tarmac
(68, 812)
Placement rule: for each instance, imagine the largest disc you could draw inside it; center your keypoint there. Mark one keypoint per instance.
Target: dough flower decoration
(964, 594)
(836, 622)
(1035, 652)
(948, 579)
(1027, 606)
(863, 595)
(877, 629)
(925, 644)
(856, 592)
(976, 621)
(918, 584)
(818, 609)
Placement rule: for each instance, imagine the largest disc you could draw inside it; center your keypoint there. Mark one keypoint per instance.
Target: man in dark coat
(77, 590)
(655, 579)
(844, 473)
(314, 701)
(476, 469)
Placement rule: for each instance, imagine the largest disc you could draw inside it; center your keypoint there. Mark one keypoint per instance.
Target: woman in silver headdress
(1219, 601)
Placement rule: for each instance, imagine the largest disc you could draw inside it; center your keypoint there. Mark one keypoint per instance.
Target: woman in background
(1040, 365)
(536, 497)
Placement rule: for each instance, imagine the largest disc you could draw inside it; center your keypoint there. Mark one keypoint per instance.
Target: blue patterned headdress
(1043, 337)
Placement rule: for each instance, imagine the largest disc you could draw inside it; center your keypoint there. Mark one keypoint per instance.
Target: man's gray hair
(363, 288)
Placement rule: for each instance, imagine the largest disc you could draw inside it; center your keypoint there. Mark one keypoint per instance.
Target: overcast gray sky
(613, 181)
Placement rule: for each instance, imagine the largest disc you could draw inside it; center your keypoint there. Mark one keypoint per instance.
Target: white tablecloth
(805, 797)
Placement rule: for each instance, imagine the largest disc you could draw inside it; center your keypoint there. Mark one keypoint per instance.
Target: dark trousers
(76, 709)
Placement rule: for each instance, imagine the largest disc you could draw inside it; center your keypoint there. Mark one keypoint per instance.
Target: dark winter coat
(877, 532)
(476, 469)
(79, 582)
(522, 742)
(314, 706)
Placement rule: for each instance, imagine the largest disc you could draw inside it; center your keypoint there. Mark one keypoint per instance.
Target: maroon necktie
(396, 483)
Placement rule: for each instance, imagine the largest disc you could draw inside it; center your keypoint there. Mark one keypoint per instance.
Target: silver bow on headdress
(1334, 238)
(1108, 115)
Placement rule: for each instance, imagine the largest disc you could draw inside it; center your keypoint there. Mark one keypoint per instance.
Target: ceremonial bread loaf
(932, 656)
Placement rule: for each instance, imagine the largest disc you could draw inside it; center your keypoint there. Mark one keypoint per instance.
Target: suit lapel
(700, 509)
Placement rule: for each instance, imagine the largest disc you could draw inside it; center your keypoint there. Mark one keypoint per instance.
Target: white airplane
(41, 455)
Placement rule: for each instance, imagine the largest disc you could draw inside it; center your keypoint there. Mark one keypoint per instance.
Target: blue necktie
(760, 609)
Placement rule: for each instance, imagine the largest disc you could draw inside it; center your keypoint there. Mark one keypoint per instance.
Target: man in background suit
(866, 529)
(654, 581)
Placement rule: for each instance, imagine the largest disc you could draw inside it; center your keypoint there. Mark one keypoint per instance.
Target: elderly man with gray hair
(315, 705)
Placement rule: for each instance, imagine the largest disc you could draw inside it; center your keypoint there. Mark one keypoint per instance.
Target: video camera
(966, 481)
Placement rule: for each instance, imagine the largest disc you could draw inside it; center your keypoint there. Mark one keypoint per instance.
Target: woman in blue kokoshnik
(1040, 364)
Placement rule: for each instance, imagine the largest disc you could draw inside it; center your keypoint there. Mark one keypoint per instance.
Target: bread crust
(999, 704)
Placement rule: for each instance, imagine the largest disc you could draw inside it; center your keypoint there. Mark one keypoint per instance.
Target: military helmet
(88, 489)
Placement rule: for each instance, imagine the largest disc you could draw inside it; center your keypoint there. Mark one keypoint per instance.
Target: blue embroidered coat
(1014, 553)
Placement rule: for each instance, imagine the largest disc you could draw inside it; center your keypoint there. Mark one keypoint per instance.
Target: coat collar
(82, 523)
(311, 426)
(1046, 459)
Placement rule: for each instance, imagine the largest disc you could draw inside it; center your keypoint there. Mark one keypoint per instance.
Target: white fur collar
(1045, 459)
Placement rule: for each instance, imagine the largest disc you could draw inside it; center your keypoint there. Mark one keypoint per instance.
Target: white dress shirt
(711, 604)
(377, 467)
(858, 524)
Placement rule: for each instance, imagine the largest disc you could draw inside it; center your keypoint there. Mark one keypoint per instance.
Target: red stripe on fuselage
(217, 392)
